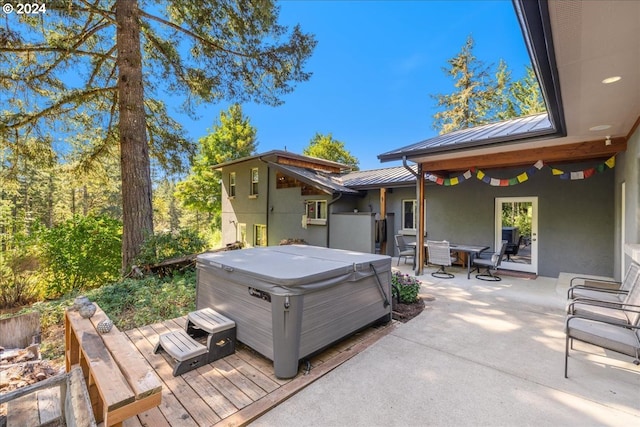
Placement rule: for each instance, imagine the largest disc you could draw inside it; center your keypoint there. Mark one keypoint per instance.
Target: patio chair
(623, 339)
(490, 264)
(404, 249)
(625, 313)
(604, 290)
(440, 255)
(513, 248)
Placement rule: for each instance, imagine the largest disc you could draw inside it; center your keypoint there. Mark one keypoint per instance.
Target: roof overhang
(573, 46)
(315, 179)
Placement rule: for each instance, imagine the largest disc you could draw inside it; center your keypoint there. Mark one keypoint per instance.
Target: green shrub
(167, 245)
(129, 303)
(404, 287)
(81, 253)
(17, 281)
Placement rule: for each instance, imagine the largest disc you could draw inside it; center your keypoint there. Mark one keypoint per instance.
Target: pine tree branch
(91, 8)
(193, 35)
(43, 48)
(73, 97)
(98, 66)
(72, 49)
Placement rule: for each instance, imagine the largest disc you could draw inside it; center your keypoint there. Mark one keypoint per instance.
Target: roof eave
(505, 140)
(534, 20)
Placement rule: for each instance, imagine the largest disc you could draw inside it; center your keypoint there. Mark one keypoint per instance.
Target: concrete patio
(482, 353)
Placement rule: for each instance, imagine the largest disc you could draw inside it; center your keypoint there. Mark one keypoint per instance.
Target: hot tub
(290, 302)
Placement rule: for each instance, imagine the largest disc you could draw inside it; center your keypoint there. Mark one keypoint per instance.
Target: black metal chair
(404, 249)
(490, 264)
(513, 248)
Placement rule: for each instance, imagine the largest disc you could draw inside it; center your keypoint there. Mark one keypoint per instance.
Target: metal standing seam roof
(505, 131)
(377, 178)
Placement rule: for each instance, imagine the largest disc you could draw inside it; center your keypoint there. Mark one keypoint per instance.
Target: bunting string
(522, 177)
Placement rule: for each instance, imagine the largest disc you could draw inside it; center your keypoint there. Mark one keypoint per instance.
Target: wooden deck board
(234, 390)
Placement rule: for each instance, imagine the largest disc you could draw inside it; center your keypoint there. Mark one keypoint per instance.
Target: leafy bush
(81, 253)
(130, 303)
(404, 287)
(17, 282)
(166, 245)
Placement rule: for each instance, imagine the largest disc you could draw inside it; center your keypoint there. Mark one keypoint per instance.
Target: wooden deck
(236, 389)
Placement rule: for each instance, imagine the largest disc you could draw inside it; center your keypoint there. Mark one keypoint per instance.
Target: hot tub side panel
(253, 316)
(336, 312)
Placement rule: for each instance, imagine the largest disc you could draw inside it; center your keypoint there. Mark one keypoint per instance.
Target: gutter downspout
(329, 203)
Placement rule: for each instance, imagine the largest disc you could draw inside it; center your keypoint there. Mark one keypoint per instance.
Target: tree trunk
(137, 212)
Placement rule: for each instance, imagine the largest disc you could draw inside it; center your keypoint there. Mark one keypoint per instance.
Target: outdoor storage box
(290, 302)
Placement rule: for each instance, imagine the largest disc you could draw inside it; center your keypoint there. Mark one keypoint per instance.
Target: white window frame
(259, 229)
(414, 213)
(254, 181)
(316, 211)
(232, 185)
(241, 233)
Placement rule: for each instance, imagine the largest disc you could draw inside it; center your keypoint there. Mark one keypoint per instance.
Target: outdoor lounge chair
(440, 254)
(490, 264)
(625, 313)
(624, 339)
(604, 290)
(404, 249)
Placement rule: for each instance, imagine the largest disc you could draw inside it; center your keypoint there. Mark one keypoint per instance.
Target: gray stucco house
(573, 173)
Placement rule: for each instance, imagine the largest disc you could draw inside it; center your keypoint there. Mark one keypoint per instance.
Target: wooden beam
(419, 254)
(557, 153)
(308, 165)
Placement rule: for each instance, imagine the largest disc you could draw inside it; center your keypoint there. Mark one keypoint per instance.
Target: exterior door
(517, 222)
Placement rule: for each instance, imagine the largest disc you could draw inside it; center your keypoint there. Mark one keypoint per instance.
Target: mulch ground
(406, 312)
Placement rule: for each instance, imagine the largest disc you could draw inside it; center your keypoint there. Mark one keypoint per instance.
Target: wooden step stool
(187, 353)
(219, 330)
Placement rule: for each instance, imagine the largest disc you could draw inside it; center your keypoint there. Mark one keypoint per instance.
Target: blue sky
(374, 67)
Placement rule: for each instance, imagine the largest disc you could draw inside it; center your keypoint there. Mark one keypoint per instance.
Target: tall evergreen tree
(527, 95)
(503, 107)
(470, 104)
(101, 68)
(232, 137)
(325, 147)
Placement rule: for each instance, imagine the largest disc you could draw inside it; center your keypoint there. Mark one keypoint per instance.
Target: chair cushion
(600, 313)
(616, 338)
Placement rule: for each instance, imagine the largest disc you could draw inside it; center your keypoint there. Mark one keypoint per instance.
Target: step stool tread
(209, 320)
(179, 345)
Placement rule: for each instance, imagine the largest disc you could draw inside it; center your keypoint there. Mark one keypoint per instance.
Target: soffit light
(611, 79)
(599, 127)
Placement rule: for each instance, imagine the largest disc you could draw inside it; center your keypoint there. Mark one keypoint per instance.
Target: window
(242, 234)
(409, 214)
(254, 182)
(259, 235)
(232, 184)
(316, 211)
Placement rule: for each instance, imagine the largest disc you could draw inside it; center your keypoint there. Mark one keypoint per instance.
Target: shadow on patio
(482, 353)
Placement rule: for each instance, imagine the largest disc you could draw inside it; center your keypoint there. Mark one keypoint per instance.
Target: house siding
(242, 208)
(281, 210)
(628, 171)
(575, 218)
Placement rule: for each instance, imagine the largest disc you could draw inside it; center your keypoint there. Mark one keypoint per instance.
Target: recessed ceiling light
(599, 127)
(611, 79)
